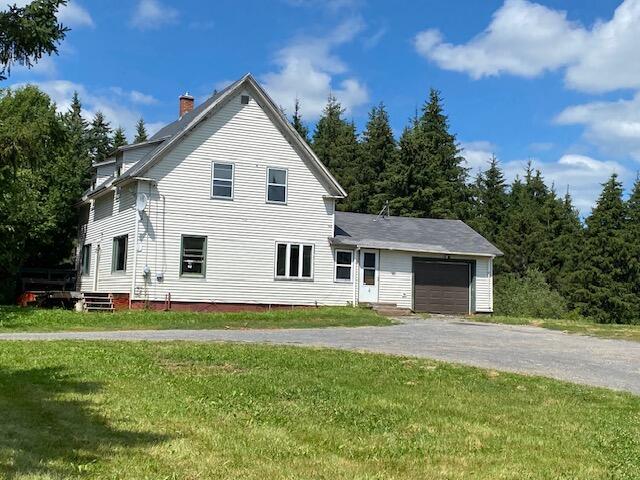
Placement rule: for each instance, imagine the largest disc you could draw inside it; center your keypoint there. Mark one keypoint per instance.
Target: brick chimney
(186, 104)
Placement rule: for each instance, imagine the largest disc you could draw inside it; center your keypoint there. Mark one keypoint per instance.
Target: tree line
(45, 166)
(46, 159)
(593, 265)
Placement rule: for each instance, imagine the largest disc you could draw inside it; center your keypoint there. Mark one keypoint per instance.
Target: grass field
(194, 411)
(585, 327)
(13, 319)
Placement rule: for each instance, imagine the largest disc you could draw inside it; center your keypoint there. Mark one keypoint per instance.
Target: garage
(441, 287)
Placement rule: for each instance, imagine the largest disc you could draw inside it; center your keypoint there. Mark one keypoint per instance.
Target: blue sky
(554, 82)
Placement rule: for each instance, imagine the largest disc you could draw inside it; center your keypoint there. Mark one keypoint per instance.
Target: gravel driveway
(593, 361)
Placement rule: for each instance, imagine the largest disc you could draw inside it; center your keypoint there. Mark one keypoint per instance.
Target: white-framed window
(193, 256)
(222, 180)
(119, 254)
(276, 185)
(294, 261)
(344, 266)
(85, 259)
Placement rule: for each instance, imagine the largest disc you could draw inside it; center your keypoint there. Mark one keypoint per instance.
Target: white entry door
(369, 260)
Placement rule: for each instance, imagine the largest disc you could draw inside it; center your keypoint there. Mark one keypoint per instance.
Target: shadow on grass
(49, 427)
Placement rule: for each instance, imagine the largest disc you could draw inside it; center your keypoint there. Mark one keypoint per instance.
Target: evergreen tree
(565, 233)
(119, 138)
(100, 138)
(141, 132)
(335, 143)
(29, 32)
(524, 237)
(605, 293)
(77, 141)
(298, 124)
(434, 183)
(633, 241)
(491, 200)
(377, 153)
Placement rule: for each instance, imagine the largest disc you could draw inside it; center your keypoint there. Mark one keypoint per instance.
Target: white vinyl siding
(484, 285)
(110, 215)
(241, 235)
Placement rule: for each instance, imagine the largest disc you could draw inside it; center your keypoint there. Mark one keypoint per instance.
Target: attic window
(244, 99)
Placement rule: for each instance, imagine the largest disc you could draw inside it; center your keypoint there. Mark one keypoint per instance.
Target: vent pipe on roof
(186, 104)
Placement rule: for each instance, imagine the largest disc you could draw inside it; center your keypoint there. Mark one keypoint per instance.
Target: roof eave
(407, 248)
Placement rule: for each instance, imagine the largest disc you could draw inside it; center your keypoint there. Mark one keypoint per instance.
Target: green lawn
(193, 411)
(585, 327)
(13, 319)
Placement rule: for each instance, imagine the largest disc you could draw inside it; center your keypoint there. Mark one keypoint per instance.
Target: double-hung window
(193, 256)
(344, 265)
(294, 260)
(222, 180)
(86, 259)
(276, 185)
(119, 254)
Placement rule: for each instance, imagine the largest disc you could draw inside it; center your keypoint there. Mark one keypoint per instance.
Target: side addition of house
(227, 207)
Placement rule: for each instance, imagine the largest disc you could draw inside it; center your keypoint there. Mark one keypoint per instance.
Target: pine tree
(633, 241)
(336, 144)
(377, 152)
(524, 237)
(141, 132)
(434, 180)
(119, 138)
(100, 138)
(78, 140)
(491, 200)
(298, 124)
(605, 292)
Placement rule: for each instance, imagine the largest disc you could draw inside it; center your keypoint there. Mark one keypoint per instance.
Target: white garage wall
(396, 279)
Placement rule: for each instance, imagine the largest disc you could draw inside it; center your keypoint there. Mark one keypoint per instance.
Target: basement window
(119, 261)
(193, 255)
(344, 262)
(85, 259)
(294, 261)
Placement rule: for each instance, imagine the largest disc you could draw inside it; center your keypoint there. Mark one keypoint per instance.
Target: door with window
(369, 260)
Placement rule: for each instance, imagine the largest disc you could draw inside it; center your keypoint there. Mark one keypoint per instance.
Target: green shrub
(528, 296)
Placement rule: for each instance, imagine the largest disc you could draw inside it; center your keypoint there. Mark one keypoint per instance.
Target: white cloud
(613, 126)
(74, 15)
(307, 70)
(526, 39)
(477, 155)
(523, 38)
(113, 103)
(583, 176)
(151, 14)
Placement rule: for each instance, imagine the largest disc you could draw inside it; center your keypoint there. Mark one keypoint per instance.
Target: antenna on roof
(381, 214)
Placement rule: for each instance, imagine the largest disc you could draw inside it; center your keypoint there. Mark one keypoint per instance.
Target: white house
(228, 207)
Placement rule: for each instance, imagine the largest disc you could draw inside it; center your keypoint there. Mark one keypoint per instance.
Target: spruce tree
(633, 241)
(119, 138)
(298, 124)
(524, 237)
(77, 144)
(336, 144)
(100, 138)
(605, 293)
(141, 132)
(434, 176)
(491, 200)
(377, 152)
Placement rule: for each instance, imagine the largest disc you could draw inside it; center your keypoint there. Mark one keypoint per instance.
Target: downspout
(135, 249)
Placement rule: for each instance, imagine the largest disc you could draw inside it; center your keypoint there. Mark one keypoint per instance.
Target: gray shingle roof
(410, 234)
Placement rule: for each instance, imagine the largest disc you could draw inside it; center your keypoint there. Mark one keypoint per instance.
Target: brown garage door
(441, 287)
